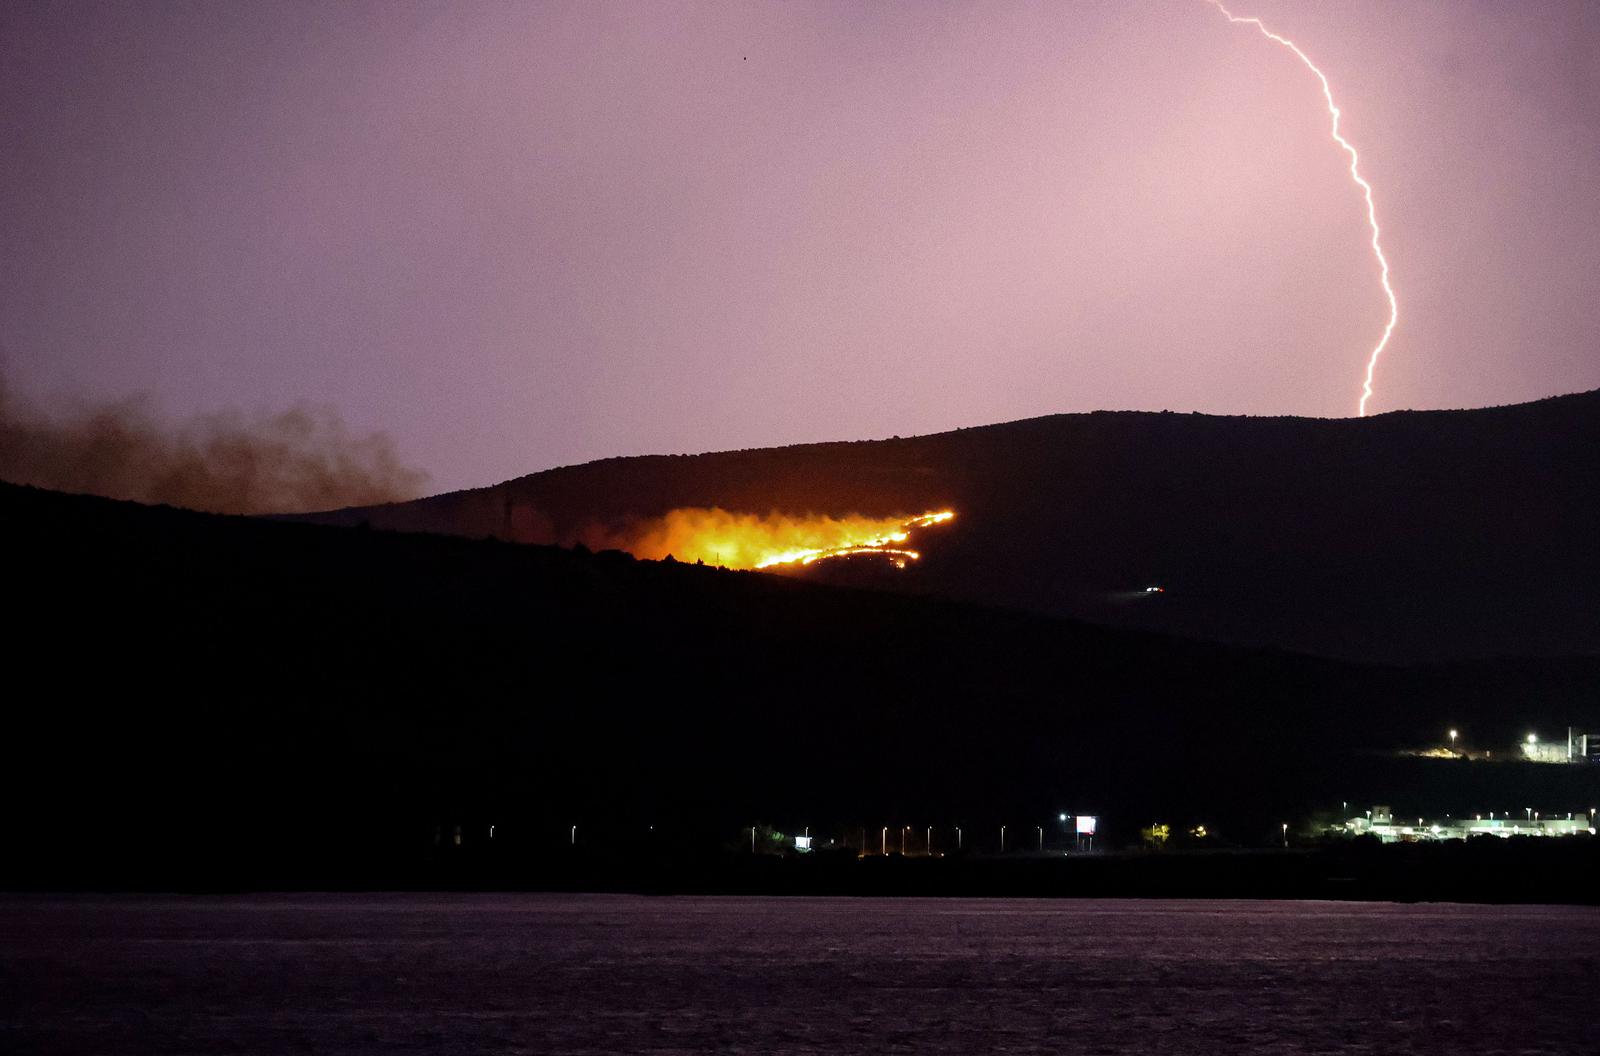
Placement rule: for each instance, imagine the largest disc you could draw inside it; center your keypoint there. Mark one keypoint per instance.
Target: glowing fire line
(876, 545)
(1355, 174)
(776, 540)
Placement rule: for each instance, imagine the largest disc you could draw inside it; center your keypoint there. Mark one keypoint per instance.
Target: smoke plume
(295, 461)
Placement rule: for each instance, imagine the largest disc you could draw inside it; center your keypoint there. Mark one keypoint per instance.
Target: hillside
(1411, 536)
(197, 695)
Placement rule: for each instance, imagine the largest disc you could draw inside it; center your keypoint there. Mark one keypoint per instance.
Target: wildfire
(745, 540)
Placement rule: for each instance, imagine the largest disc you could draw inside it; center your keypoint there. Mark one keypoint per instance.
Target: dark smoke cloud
(295, 461)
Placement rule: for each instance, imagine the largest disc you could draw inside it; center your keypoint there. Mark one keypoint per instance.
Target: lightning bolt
(1355, 174)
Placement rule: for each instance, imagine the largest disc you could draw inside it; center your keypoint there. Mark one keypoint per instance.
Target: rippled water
(575, 974)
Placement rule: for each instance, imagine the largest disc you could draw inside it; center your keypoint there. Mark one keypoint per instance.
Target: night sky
(522, 235)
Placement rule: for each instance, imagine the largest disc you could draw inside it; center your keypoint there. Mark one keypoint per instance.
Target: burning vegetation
(747, 540)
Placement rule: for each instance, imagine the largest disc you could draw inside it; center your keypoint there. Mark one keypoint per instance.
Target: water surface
(618, 974)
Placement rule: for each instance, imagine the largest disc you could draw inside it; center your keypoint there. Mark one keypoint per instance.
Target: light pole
(1285, 834)
(1002, 839)
(958, 837)
(928, 849)
(1453, 740)
(1041, 837)
(903, 830)
(883, 841)
(752, 839)
(574, 835)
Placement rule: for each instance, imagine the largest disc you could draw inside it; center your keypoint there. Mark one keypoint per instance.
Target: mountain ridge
(1407, 536)
(267, 703)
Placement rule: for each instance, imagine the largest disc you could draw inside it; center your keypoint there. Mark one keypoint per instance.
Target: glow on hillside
(745, 540)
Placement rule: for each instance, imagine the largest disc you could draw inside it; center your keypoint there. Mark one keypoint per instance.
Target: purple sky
(520, 235)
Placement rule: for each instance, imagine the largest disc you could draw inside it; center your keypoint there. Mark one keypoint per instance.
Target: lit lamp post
(1041, 836)
(1002, 839)
(1285, 827)
(1453, 736)
(883, 841)
(903, 830)
(928, 849)
(958, 837)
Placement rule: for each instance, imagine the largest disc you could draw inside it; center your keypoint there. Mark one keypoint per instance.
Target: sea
(552, 974)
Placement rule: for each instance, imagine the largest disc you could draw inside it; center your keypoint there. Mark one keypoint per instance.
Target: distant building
(1577, 749)
(1381, 822)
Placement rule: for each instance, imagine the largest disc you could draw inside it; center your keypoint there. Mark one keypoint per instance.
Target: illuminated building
(1382, 823)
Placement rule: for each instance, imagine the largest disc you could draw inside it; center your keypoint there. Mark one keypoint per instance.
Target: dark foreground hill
(194, 698)
(1404, 537)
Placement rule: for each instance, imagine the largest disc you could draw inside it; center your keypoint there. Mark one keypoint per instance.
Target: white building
(1577, 748)
(1382, 823)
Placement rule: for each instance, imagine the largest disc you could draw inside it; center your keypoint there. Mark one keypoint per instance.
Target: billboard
(1086, 824)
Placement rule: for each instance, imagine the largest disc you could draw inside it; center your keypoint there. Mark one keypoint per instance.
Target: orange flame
(746, 540)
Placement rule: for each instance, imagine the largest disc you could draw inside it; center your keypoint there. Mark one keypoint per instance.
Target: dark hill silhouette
(1402, 537)
(196, 698)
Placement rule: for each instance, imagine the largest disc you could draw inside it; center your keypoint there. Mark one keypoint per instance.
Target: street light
(929, 848)
(1002, 839)
(958, 837)
(903, 830)
(1285, 828)
(1041, 836)
(1453, 736)
(883, 841)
